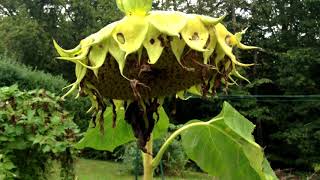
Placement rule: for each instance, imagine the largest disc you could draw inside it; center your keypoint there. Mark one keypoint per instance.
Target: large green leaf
(224, 147)
(121, 134)
(270, 175)
(160, 130)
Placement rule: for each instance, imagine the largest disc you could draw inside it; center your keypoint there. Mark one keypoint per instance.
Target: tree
(27, 28)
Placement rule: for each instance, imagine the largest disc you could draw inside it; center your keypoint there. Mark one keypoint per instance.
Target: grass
(105, 170)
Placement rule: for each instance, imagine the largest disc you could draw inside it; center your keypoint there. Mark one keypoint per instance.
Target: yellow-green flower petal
(181, 95)
(211, 45)
(195, 34)
(246, 47)
(238, 75)
(80, 74)
(97, 56)
(222, 35)
(66, 53)
(136, 7)
(233, 81)
(154, 44)
(120, 5)
(104, 33)
(177, 47)
(130, 32)
(168, 22)
(219, 55)
(195, 90)
(238, 36)
(207, 20)
(118, 54)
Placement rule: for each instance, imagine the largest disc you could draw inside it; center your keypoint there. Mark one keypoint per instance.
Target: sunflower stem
(147, 161)
(167, 143)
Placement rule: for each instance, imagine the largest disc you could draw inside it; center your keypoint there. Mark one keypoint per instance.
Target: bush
(28, 79)
(34, 130)
(173, 160)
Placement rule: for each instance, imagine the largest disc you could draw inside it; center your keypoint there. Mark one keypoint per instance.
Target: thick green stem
(147, 161)
(165, 146)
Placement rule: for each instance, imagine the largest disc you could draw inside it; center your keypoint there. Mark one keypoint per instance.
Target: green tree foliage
(24, 39)
(34, 131)
(27, 28)
(288, 31)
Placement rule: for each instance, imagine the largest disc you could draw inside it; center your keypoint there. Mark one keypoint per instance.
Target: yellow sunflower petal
(168, 22)
(130, 32)
(154, 44)
(195, 34)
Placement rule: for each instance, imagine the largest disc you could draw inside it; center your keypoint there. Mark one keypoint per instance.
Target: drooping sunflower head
(148, 55)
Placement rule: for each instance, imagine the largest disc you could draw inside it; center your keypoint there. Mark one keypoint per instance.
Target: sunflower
(148, 55)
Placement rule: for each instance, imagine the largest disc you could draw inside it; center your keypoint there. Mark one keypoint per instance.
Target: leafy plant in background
(174, 159)
(28, 79)
(134, 63)
(34, 131)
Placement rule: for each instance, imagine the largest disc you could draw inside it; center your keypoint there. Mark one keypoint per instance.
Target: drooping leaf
(112, 137)
(121, 134)
(161, 127)
(270, 175)
(230, 151)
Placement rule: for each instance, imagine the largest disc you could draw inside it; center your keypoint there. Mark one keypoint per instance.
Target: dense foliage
(28, 79)
(34, 131)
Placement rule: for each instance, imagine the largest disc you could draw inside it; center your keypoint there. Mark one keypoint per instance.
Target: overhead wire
(268, 98)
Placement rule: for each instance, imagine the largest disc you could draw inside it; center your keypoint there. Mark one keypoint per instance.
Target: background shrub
(14, 73)
(28, 79)
(34, 130)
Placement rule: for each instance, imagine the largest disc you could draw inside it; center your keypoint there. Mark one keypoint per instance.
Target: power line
(269, 98)
(279, 98)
